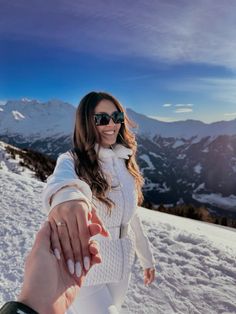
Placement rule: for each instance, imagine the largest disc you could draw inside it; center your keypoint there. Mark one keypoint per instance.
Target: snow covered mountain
(195, 261)
(184, 171)
(181, 129)
(33, 120)
(186, 161)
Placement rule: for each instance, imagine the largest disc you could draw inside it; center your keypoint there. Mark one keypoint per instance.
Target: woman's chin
(108, 143)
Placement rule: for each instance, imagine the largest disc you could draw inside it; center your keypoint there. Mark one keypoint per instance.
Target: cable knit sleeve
(64, 185)
(143, 249)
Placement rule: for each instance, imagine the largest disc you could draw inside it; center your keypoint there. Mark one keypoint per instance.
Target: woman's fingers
(94, 229)
(95, 259)
(149, 275)
(89, 215)
(96, 219)
(75, 245)
(62, 231)
(145, 277)
(55, 242)
(71, 236)
(94, 250)
(152, 275)
(84, 236)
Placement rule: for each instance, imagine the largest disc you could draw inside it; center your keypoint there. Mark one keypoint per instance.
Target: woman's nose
(111, 122)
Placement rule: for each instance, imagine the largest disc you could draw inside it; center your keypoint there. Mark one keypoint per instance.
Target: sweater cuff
(69, 194)
(147, 264)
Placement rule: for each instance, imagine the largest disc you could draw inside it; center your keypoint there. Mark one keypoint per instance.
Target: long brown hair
(85, 157)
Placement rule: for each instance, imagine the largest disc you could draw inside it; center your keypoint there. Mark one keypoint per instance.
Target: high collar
(118, 151)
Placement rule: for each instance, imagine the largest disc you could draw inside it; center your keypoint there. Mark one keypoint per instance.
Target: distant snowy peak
(27, 104)
(28, 100)
(21, 102)
(180, 129)
(31, 119)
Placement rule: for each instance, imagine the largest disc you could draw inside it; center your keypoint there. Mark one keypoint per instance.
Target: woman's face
(109, 132)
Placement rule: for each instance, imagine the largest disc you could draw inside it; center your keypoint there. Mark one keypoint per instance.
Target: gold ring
(59, 223)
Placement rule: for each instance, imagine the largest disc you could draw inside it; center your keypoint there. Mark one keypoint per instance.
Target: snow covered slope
(25, 162)
(196, 261)
(8, 164)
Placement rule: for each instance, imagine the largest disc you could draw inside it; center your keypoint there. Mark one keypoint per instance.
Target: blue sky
(173, 60)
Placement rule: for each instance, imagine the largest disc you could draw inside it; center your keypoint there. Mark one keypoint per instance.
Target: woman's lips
(109, 133)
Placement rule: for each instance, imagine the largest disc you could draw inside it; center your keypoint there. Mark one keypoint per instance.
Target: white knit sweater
(117, 253)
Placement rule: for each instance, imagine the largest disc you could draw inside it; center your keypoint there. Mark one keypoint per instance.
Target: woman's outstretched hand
(149, 276)
(70, 237)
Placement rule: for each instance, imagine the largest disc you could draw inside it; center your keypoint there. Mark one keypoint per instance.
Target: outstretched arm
(68, 200)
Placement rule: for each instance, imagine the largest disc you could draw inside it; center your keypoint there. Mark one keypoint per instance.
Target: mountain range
(182, 162)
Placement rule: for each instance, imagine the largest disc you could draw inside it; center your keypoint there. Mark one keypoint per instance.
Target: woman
(99, 181)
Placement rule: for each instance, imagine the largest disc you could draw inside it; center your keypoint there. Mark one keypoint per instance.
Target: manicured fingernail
(57, 254)
(78, 269)
(71, 266)
(109, 235)
(86, 262)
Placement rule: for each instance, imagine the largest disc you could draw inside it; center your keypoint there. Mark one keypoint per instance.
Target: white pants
(100, 299)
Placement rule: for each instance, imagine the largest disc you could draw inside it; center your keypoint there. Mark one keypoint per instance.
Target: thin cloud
(183, 110)
(167, 105)
(224, 88)
(219, 89)
(157, 30)
(163, 119)
(232, 114)
(184, 105)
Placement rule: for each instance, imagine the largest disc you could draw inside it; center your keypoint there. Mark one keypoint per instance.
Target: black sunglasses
(104, 118)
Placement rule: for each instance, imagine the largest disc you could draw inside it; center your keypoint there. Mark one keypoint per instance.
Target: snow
(151, 186)
(178, 143)
(214, 199)
(164, 188)
(25, 99)
(230, 147)
(181, 156)
(155, 155)
(199, 188)
(7, 163)
(188, 129)
(60, 115)
(196, 261)
(198, 168)
(148, 162)
(52, 118)
(206, 150)
(17, 115)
